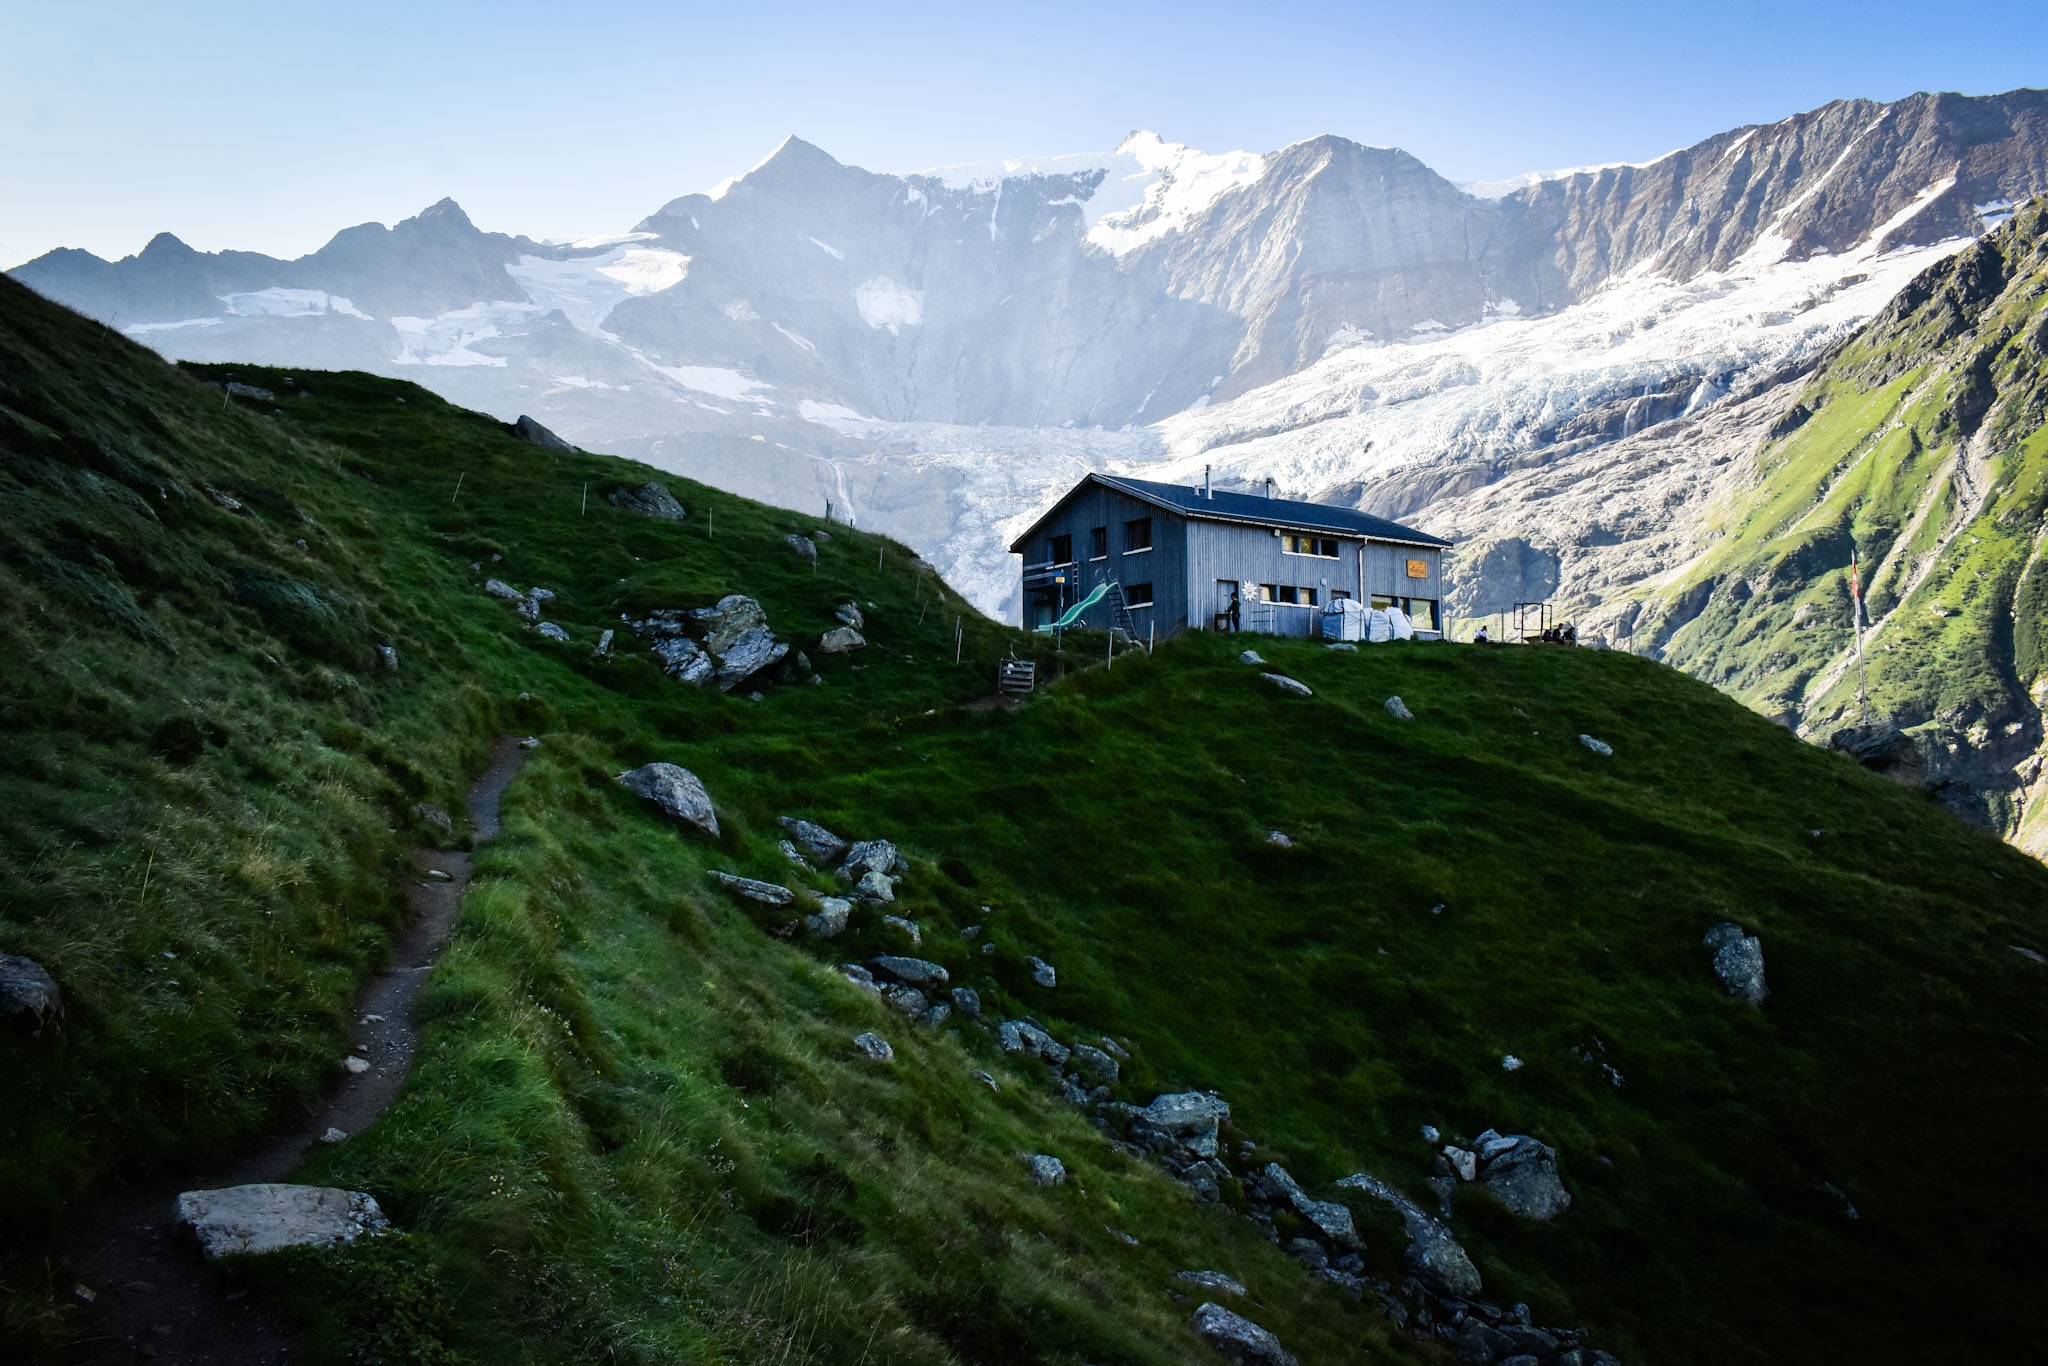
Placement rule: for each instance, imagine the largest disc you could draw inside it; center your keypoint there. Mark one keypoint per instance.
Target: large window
(1098, 543)
(1287, 593)
(1421, 612)
(1061, 548)
(1138, 595)
(1322, 546)
(1137, 535)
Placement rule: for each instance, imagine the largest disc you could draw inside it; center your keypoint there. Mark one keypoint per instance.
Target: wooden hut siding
(1220, 552)
(1096, 506)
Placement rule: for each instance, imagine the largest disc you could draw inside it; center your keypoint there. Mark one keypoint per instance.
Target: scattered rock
(804, 546)
(1251, 657)
(1212, 1280)
(498, 588)
(877, 856)
(676, 791)
(1308, 1252)
(820, 843)
(909, 1000)
(1045, 1170)
(1599, 747)
(526, 429)
(860, 977)
(873, 1046)
(1343, 645)
(1433, 1255)
(967, 1001)
(1521, 1173)
(748, 655)
(28, 994)
(434, 816)
(550, 631)
(908, 928)
(830, 918)
(793, 854)
(1237, 1339)
(439, 875)
(685, 660)
(936, 1015)
(253, 1220)
(1510, 1063)
(767, 893)
(241, 390)
(1738, 962)
(849, 614)
(1430, 1133)
(1095, 1062)
(1191, 1117)
(648, 500)
(873, 887)
(841, 640)
(603, 648)
(2028, 954)
(1330, 1219)
(387, 658)
(1021, 1036)
(985, 1079)
(1464, 1162)
(1884, 749)
(334, 1136)
(531, 741)
(1280, 839)
(1286, 684)
(355, 1066)
(916, 972)
(1043, 972)
(1398, 709)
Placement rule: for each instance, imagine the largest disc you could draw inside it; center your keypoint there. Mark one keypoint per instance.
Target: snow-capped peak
(1155, 187)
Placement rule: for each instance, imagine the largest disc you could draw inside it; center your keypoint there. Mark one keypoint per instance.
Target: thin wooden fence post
(458, 486)
(586, 499)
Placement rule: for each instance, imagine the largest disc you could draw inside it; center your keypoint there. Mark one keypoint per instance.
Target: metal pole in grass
(586, 499)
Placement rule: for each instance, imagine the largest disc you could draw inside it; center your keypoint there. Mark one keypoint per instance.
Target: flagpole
(1856, 594)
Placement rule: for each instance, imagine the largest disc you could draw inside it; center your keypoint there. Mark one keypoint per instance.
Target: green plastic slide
(1074, 613)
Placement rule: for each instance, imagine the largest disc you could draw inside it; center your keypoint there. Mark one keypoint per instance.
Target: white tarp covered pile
(1350, 619)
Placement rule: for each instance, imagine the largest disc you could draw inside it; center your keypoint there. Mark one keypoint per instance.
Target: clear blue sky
(269, 126)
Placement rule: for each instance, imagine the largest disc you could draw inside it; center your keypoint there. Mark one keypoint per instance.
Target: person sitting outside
(1479, 637)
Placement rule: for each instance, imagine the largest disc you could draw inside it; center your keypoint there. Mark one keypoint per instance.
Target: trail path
(152, 1296)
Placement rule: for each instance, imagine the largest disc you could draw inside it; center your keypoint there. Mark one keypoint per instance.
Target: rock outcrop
(648, 500)
(1237, 1339)
(270, 1217)
(1738, 962)
(676, 791)
(526, 429)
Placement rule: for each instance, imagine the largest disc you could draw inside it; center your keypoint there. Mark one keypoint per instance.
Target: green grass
(638, 1130)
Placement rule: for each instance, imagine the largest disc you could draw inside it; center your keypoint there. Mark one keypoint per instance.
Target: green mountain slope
(1924, 444)
(639, 1129)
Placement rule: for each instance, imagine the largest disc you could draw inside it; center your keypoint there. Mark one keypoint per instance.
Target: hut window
(1138, 595)
(1323, 546)
(1098, 543)
(1268, 593)
(1137, 535)
(1063, 550)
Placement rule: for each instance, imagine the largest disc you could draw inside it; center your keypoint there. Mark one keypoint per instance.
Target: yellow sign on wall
(1418, 569)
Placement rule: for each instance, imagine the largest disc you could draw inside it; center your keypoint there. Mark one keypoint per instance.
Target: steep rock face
(1926, 452)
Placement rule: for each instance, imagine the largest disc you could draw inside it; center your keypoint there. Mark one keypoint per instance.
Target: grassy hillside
(1925, 446)
(638, 1129)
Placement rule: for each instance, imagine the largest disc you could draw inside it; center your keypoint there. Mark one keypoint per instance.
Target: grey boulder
(1289, 685)
(830, 917)
(748, 654)
(1521, 1173)
(1190, 1117)
(648, 500)
(849, 614)
(1022, 1036)
(1738, 962)
(1045, 1170)
(916, 972)
(874, 1047)
(1250, 657)
(676, 791)
(841, 640)
(550, 631)
(967, 1001)
(1237, 1339)
(1212, 1280)
(1043, 972)
(909, 1000)
(685, 660)
(724, 622)
(767, 893)
(498, 588)
(1433, 1255)
(526, 429)
(1398, 709)
(1329, 1218)
(1095, 1062)
(874, 887)
(28, 994)
(820, 843)
(877, 856)
(253, 1220)
(804, 546)
(1599, 747)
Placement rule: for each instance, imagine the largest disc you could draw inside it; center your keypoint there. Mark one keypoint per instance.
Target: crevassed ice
(587, 288)
(716, 380)
(289, 303)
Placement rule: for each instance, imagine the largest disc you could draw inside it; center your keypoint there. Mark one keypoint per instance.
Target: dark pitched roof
(1248, 509)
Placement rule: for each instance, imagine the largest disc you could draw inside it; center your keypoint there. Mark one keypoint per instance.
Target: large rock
(498, 588)
(684, 659)
(874, 1047)
(1398, 709)
(1237, 1339)
(1042, 972)
(849, 614)
(1432, 1255)
(804, 546)
(909, 1000)
(1045, 1170)
(1738, 962)
(1329, 1218)
(1191, 1117)
(841, 640)
(830, 918)
(1521, 1173)
(676, 791)
(648, 500)
(748, 654)
(877, 856)
(28, 994)
(1883, 749)
(1286, 684)
(1022, 1036)
(252, 1220)
(526, 429)
(875, 888)
(820, 843)
(767, 893)
(731, 617)
(916, 972)
(1095, 1062)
